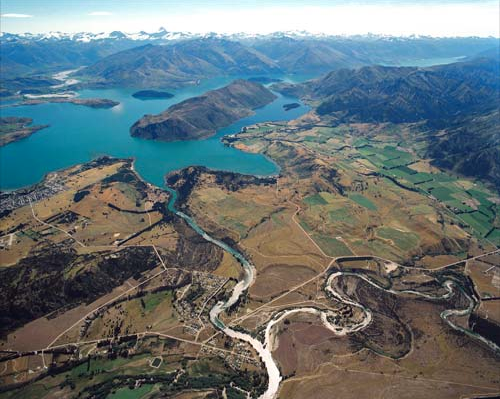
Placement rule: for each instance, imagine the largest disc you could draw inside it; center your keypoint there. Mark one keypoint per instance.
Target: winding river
(249, 275)
(78, 134)
(265, 349)
(449, 285)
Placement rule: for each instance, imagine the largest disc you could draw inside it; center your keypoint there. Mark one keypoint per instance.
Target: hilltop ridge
(200, 117)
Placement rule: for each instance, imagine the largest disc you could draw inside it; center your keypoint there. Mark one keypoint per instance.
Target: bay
(78, 134)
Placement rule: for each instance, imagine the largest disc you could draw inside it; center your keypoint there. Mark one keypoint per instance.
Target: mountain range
(163, 35)
(404, 94)
(287, 52)
(186, 61)
(456, 103)
(178, 64)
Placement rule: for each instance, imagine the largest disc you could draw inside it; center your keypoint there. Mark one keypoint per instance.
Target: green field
(477, 221)
(407, 170)
(444, 178)
(339, 215)
(97, 365)
(415, 177)
(443, 193)
(363, 201)
(127, 393)
(457, 204)
(481, 196)
(331, 246)
(151, 301)
(428, 186)
(305, 226)
(494, 236)
(403, 240)
(474, 206)
(388, 158)
(315, 199)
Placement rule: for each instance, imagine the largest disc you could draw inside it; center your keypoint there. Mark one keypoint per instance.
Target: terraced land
(474, 205)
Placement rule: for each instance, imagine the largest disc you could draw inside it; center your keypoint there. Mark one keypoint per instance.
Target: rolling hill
(470, 148)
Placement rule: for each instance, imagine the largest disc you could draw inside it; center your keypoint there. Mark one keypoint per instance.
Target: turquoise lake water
(427, 62)
(78, 134)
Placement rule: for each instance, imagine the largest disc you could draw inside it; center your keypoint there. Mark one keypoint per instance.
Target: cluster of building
(239, 357)
(193, 303)
(16, 199)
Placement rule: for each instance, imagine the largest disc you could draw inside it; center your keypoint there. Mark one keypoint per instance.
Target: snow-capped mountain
(161, 35)
(290, 51)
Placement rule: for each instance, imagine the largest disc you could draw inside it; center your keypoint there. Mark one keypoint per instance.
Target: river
(78, 134)
(264, 349)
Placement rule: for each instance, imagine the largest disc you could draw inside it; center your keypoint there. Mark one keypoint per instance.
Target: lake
(427, 62)
(78, 134)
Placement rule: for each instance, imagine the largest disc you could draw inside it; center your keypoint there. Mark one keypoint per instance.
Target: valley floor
(393, 258)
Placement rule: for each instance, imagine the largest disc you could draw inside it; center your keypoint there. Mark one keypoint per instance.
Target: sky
(344, 17)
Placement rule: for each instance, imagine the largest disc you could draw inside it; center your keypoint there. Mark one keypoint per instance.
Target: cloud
(16, 16)
(100, 13)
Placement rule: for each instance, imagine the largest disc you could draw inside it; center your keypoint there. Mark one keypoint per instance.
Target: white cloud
(100, 13)
(434, 19)
(16, 16)
(336, 17)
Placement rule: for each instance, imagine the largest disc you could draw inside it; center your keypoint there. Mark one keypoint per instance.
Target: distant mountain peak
(117, 34)
(164, 35)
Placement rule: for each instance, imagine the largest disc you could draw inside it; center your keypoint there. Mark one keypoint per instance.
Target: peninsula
(88, 102)
(14, 129)
(200, 117)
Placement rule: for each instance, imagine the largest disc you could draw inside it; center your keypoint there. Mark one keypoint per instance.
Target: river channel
(78, 134)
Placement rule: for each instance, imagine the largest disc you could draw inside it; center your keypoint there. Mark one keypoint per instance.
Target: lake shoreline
(80, 134)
